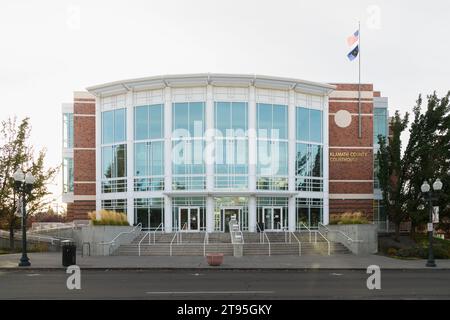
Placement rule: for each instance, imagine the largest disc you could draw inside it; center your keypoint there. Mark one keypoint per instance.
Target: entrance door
(189, 219)
(273, 218)
(227, 213)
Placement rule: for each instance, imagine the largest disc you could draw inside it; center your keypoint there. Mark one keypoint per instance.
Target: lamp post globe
(437, 185)
(425, 187)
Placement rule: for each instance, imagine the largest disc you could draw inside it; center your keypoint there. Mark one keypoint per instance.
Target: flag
(353, 38)
(353, 54)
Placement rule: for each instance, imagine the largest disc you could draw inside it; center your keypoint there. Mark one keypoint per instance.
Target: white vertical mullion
(209, 164)
(291, 158)
(130, 155)
(167, 158)
(252, 158)
(325, 160)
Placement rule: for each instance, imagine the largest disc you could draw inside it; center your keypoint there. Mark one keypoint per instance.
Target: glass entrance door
(273, 218)
(189, 219)
(227, 214)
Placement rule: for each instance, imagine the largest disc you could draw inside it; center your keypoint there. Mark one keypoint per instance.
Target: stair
(192, 245)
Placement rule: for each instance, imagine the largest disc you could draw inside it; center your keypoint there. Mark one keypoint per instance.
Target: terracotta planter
(214, 259)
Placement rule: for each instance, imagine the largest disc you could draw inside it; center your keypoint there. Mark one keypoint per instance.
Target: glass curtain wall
(114, 151)
(272, 147)
(188, 145)
(68, 130)
(149, 148)
(309, 212)
(309, 150)
(149, 212)
(67, 175)
(231, 145)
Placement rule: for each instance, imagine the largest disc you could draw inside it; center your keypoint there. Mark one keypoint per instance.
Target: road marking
(336, 274)
(33, 274)
(210, 292)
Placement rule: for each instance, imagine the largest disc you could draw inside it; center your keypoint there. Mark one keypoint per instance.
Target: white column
(98, 152)
(167, 214)
(291, 213)
(209, 214)
(252, 214)
(291, 157)
(252, 150)
(209, 137)
(130, 156)
(167, 158)
(326, 178)
(252, 147)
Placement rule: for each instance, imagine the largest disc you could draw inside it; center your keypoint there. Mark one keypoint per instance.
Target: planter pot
(214, 259)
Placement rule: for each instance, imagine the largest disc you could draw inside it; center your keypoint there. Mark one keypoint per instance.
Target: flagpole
(359, 83)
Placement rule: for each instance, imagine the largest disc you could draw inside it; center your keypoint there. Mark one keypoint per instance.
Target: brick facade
(83, 157)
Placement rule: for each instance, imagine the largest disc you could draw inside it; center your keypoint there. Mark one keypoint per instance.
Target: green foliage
(15, 152)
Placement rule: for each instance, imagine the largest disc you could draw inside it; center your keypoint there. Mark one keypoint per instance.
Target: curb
(240, 269)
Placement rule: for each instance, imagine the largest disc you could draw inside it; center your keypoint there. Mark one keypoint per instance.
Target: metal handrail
(139, 244)
(339, 232)
(89, 248)
(176, 236)
(110, 243)
(205, 241)
(161, 225)
(328, 242)
(307, 228)
(299, 243)
(263, 235)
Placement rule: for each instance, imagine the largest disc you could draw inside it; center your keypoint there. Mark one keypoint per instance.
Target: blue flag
(353, 54)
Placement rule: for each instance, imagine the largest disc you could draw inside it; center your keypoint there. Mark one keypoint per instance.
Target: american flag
(353, 38)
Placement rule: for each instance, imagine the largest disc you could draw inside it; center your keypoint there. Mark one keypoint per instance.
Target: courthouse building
(191, 151)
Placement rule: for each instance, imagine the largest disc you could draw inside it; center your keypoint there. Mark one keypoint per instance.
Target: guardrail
(161, 226)
(291, 234)
(307, 228)
(33, 237)
(205, 242)
(263, 235)
(113, 241)
(341, 233)
(177, 236)
(139, 244)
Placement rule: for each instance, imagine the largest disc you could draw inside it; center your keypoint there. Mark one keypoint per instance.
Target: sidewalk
(53, 260)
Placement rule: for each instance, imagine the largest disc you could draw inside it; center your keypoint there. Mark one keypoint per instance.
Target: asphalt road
(188, 285)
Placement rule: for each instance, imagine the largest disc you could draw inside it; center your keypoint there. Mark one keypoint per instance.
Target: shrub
(392, 252)
(356, 217)
(108, 218)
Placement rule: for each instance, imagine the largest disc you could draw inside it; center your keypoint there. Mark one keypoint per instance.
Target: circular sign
(343, 118)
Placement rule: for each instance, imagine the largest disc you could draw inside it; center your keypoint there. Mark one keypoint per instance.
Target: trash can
(69, 253)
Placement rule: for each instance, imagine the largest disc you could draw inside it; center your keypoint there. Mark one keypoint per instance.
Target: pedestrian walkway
(52, 260)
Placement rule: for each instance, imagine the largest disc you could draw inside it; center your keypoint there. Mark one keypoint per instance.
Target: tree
(15, 152)
(427, 151)
(392, 172)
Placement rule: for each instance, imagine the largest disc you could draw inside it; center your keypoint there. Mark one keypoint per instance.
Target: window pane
(156, 121)
(140, 156)
(302, 124)
(239, 116)
(223, 117)
(180, 117)
(282, 159)
(141, 123)
(108, 127)
(196, 119)
(264, 113)
(316, 161)
(119, 125)
(280, 121)
(301, 159)
(157, 158)
(121, 161)
(315, 125)
(107, 162)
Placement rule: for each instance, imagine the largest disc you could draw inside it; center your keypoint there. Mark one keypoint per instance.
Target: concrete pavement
(52, 260)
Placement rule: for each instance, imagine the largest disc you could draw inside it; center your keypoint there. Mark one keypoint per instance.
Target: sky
(50, 48)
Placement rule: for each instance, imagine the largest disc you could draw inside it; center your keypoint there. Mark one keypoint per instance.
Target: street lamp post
(426, 190)
(23, 184)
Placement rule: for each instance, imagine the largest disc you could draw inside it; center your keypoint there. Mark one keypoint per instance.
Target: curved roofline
(217, 79)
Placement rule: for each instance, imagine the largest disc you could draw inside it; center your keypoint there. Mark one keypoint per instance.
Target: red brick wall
(83, 158)
(351, 157)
